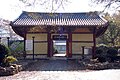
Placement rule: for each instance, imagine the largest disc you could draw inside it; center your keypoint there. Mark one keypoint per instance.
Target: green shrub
(101, 53)
(112, 54)
(104, 53)
(17, 48)
(4, 52)
(10, 59)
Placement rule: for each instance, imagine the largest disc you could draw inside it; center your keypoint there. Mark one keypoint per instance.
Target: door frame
(67, 47)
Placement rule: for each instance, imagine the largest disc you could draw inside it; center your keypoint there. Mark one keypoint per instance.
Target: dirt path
(61, 70)
(55, 65)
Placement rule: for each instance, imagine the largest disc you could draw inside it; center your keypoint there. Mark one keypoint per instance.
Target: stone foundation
(94, 64)
(11, 70)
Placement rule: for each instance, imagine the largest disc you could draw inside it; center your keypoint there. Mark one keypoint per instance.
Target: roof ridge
(60, 12)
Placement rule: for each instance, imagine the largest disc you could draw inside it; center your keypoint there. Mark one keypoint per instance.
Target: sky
(11, 9)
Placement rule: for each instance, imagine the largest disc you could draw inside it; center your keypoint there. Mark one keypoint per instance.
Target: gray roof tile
(80, 19)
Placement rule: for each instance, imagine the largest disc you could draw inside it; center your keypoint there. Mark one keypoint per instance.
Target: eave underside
(22, 30)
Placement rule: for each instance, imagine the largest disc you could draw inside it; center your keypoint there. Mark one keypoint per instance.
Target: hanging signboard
(59, 37)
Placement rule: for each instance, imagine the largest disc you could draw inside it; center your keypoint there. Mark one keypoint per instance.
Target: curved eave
(18, 31)
(101, 30)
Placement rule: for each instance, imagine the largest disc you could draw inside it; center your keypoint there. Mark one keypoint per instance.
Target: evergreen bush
(101, 53)
(112, 54)
(104, 53)
(4, 52)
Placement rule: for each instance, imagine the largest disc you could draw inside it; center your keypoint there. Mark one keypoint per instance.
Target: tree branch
(51, 4)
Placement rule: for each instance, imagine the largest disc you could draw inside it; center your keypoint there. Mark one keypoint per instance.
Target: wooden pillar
(67, 48)
(0, 40)
(8, 39)
(94, 43)
(83, 47)
(24, 52)
(51, 48)
(33, 48)
(49, 44)
(70, 44)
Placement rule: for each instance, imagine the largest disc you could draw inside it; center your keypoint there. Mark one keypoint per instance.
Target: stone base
(94, 64)
(11, 70)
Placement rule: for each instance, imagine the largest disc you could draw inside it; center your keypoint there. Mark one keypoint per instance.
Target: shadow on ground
(54, 65)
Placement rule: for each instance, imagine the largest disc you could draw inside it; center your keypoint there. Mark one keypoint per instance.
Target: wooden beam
(82, 33)
(82, 41)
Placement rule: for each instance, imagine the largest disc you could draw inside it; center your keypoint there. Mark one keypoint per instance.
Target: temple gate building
(76, 30)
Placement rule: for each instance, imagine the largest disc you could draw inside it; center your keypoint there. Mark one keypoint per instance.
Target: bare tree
(52, 5)
(108, 3)
(6, 29)
(112, 35)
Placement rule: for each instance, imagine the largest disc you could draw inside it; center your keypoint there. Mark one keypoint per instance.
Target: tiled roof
(80, 19)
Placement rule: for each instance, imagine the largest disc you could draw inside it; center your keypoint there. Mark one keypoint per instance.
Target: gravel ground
(61, 70)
